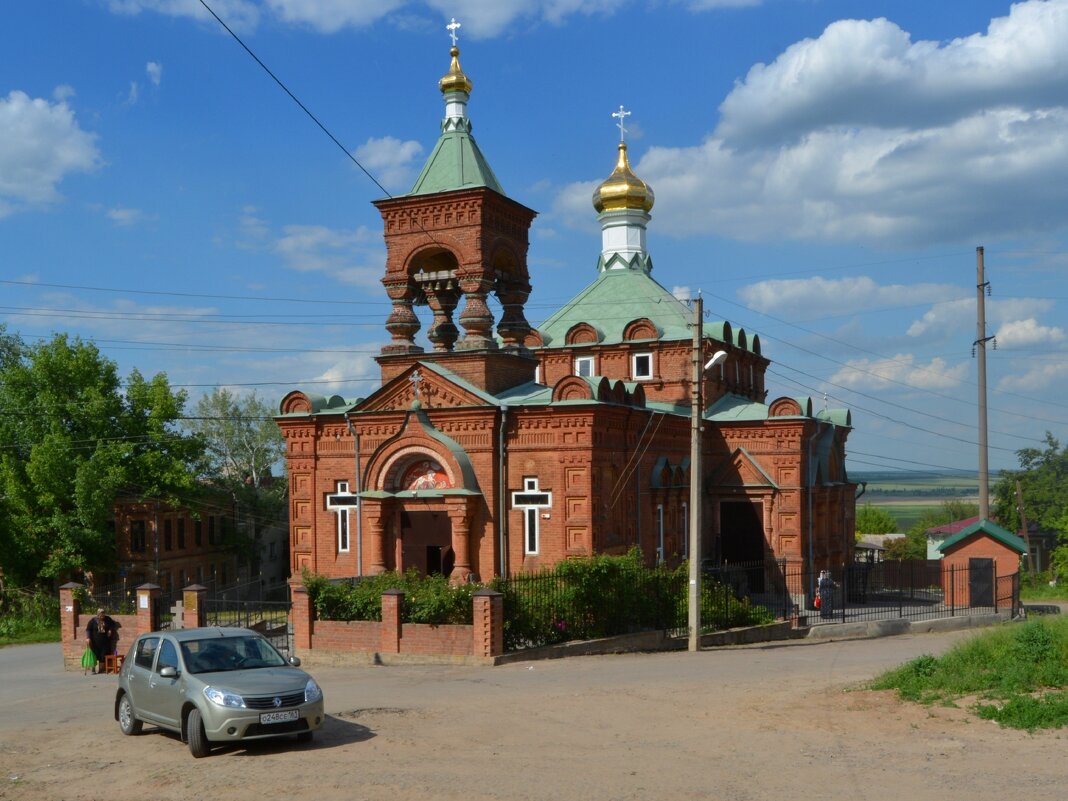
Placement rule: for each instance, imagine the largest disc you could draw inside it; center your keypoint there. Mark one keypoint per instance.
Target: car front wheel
(195, 736)
(128, 722)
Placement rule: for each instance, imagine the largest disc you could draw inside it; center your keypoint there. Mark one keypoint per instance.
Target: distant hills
(902, 483)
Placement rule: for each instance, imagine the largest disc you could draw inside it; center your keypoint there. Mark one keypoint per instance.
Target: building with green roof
(500, 447)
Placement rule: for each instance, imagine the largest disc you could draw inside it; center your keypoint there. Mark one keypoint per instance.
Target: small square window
(641, 366)
(584, 366)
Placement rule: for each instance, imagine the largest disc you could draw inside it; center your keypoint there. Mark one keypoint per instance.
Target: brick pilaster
(195, 606)
(149, 598)
(70, 635)
(392, 601)
(488, 629)
(301, 616)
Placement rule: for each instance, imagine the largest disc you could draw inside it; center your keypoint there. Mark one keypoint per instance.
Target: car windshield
(229, 653)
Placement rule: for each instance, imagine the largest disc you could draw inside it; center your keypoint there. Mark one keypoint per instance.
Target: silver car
(215, 685)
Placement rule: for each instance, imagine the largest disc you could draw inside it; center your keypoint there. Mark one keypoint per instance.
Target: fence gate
(269, 618)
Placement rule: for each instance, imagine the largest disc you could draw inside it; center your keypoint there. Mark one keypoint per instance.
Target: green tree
(1043, 477)
(74, 438)
(243, 445)
(874, 520)
(914, 545)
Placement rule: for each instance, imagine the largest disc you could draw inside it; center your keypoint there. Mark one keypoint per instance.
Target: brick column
(390, 632)
(70, 633)
(301, 615)
(461, 540)
(148, 608)
(488, 623)
(194, 605)
(376, 538)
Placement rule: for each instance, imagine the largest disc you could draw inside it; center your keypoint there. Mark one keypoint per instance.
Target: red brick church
(502, 448)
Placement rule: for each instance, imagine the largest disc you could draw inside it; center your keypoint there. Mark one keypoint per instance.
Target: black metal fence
(546, 608)
(864, 591)
(269, 618)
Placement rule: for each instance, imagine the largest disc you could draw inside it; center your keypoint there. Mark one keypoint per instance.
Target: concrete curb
(889, 628)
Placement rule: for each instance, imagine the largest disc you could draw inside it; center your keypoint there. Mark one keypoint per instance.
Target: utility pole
(981, 288)
(694, 598)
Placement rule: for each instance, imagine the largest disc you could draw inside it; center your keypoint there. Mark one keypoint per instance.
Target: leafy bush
(28, 616)
(429, 599)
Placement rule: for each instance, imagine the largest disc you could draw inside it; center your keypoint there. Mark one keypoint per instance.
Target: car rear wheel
(195, 736)
(128, 722)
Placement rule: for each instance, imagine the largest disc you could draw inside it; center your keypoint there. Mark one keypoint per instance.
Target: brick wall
(327, 638)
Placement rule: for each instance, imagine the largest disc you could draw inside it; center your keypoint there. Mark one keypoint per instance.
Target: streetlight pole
(693, 618)
(696, 411)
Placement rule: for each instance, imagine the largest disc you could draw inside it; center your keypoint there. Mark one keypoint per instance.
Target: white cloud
(900, 369)
(330, 16)
(1035, 378)
(1025, 333)
(63, 92)
(949, 319)
(353, 257)
(238, 14)
(863, 135)
(40, 144)
(154, 70)
(133, 94)
(124, 217)
(828, 297)
(390, 160)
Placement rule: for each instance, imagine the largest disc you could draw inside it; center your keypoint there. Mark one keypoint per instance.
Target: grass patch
(1018, 672)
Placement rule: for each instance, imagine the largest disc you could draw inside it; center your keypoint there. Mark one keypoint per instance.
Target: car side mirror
(294, 661)
(168, 672)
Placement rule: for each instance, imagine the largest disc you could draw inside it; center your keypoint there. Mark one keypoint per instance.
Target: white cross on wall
(621, 114)
(416, 380)
(453, 27)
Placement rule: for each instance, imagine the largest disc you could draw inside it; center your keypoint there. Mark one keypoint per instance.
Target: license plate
(279, 717)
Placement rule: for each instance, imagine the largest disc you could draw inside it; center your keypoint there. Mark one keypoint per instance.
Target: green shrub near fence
(579, 599)
(28, 616)
(429, 599)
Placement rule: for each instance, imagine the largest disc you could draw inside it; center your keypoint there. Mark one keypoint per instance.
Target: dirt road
(779, 721)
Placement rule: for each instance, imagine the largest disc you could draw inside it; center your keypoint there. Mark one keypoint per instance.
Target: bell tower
(451, 242)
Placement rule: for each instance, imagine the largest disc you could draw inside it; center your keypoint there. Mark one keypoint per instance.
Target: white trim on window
(584, 366)
(341, 503)
(641, 366)
(659, 533)
(532, 501)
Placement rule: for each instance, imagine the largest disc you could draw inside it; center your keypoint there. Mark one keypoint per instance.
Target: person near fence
(826, 593)
(102, 635)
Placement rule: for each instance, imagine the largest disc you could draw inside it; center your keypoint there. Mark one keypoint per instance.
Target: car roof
(205, 633)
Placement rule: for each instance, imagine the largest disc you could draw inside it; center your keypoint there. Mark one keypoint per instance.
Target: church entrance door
(741, 534)
(426, 542)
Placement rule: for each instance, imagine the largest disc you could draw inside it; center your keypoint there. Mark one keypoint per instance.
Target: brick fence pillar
(300, 616)
(390, 633)
(149, 598)
(194, 606)
(70, 635)
(488, 629)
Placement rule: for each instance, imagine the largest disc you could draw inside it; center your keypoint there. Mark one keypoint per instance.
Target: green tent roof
(456, 163)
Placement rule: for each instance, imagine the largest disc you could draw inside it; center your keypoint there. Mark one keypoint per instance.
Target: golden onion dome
(455, 80)
(623, 189)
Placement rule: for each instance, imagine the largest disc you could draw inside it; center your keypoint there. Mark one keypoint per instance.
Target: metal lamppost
(696, 409)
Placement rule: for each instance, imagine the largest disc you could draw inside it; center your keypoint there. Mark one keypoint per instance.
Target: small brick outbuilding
(976, 560)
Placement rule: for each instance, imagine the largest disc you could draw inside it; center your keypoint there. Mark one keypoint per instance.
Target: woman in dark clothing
(101, 635)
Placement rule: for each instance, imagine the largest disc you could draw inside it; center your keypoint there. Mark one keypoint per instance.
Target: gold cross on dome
(453, 27)
(622, 115)
(416, 380)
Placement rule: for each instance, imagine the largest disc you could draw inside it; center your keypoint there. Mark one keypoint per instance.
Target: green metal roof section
(320, 404)
(736, 408)
(992, 530)
(456, 163)
(614, 299)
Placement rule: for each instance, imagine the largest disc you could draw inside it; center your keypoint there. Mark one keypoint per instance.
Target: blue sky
(823, 173)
